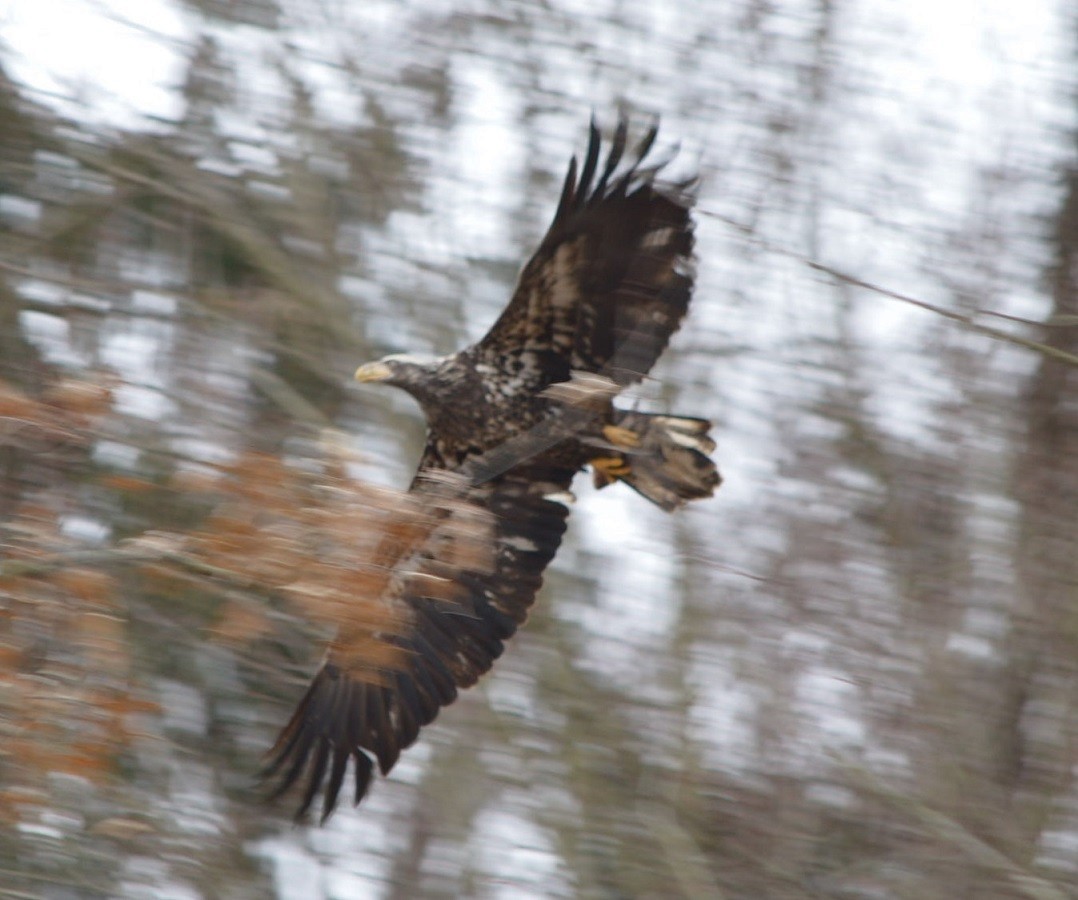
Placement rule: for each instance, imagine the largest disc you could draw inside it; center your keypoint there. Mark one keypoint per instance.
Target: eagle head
(403, 370)
(434, 381)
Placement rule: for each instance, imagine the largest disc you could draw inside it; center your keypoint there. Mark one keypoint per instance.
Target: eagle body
(471, 407)
(511, 420)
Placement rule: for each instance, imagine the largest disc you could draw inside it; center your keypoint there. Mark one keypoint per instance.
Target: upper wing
(612, 279)
(457, 587)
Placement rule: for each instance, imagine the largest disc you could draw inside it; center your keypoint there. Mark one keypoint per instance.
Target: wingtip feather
(568, 190)
(591, 162)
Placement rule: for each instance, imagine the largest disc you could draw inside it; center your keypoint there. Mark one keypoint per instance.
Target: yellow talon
(608, 469)
(621, 437)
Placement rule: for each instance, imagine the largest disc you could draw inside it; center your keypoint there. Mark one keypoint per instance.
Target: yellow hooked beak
(374, 371)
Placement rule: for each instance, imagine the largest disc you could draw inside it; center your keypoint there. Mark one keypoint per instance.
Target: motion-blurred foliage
(853, 675)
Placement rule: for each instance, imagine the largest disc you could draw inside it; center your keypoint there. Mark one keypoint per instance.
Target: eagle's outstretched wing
(612, 278)
(455, 590)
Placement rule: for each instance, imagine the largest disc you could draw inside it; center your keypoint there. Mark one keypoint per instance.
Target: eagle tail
(664, 458)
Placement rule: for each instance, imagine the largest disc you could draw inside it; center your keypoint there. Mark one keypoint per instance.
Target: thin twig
(963, 319)
(949, 831)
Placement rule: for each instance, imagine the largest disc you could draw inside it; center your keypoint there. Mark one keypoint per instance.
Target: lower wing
(456, 587)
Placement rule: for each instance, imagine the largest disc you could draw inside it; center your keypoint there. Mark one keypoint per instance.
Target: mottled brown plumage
(515, 417)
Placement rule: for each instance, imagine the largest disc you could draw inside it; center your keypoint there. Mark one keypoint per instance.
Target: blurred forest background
(853, 674)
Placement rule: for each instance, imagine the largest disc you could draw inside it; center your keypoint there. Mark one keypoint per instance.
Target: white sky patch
(518, 855)
(118, 61)
(148, 268)
(830, 701)
(636, 604)
(833, 795)
(183, 707)
(37, 829)
(485, 161)
(971, 646)
(154, 303)
(46, 293)
(346, 858)
(18, 209)
(257, 158)
(334, 94)
(141, 401)
(193, 806)
(297, 873)
(52, 337)
(116, 454)
(1058, 850)
(146, 878)
(82, 528)
(132, 353)
(199, 449)
(512, 694)
(724, 717)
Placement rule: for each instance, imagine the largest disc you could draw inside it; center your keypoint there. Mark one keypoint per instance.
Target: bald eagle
(514, 418)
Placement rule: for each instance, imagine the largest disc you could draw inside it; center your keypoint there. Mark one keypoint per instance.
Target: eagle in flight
(511, 420)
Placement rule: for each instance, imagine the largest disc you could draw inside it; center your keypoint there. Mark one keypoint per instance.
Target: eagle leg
(608, 469)
(620, 436)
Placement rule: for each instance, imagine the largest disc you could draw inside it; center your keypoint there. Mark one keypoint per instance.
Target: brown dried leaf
(88, 585)
(84, 397)
(15, 404)
(240, 623)
(103, 641)
(121, 829)
(127, 484)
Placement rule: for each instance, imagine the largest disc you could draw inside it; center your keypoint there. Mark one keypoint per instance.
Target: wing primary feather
(299, 760)
(644, 177)
(356, 738)
(351, 715)
(438, 643)
(314, 780)
(355, 726)
(427, 690)
(301, 738)
(301, 734)
(416, 685)
(590, 162)
(617, 149)
(371, 718)
(342, 714)
(290, 735)
(466, 636)
(684, 186)
(336, 779)
(281, 751)
(441, 676)
(432, 673)
(409, 708)
(504, 626)
(646, 143)
(381, 734)
(567, 192)
(364, 770)
(639, 180)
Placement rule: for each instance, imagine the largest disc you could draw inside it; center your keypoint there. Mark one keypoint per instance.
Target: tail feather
(671, 464)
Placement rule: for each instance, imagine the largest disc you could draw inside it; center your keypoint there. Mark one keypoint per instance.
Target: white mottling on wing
(658, 239)
(521, 543)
